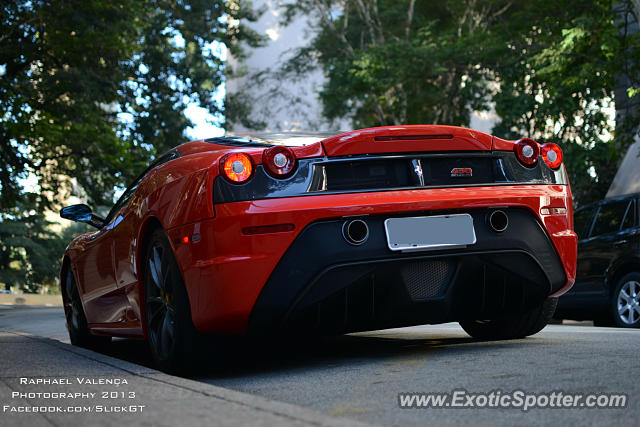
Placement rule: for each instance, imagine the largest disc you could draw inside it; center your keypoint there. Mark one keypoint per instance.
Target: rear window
(582, 222)
(610, 217)
(289, 139)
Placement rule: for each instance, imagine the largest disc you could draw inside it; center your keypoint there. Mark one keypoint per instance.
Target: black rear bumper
(324, 284)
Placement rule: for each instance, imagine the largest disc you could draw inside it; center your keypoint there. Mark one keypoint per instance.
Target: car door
(603, 246)
(627, 242)
(95, 275)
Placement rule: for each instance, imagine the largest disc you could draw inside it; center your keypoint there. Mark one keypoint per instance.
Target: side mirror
(81, 213)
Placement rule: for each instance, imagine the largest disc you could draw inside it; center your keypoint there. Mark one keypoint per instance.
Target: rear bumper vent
(427, 279)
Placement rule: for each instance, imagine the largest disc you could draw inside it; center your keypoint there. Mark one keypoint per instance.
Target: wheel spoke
(155, 265)
(622, 308)
(154, 273)
(166, 280)
(155, 317)
(69, 312)
(166, 335)
(153, 337)
(625, 296)
(171, 310)
(75, 314)
(170, 325)
(633, 289)
(69, 285)
(153, 300)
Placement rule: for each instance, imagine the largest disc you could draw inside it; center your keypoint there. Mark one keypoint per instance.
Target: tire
(77, 326)
(173, 339)
(625, 302)
(513, 326)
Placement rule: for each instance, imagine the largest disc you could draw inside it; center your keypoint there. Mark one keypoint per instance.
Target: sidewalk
(40, 374)
(31, 299)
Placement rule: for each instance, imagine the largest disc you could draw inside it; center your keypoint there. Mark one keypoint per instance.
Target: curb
(287, 414)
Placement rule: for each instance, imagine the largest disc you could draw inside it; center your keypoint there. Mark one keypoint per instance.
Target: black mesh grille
(401, 172)
(427, 279)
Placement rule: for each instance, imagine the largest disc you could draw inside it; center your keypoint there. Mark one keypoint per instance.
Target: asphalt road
(360, 375)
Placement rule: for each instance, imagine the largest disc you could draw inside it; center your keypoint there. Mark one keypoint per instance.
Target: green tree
(560, 80)
(90, 91)
(29, 250)
(549, 67)
(62, 67)
(390, 62)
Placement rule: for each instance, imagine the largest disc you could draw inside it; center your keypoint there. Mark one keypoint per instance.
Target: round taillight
(527, 151)
(552, 155)
(236, 167)
(279, 161)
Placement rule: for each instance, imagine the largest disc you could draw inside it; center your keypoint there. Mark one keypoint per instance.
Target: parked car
(291, 233)
(607, 288)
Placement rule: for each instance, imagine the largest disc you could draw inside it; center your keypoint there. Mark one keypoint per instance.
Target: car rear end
(380, 228)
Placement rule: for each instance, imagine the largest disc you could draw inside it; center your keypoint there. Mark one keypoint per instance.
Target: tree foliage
(560, 85)
(29, 249)
(91, 90)
(549, 68)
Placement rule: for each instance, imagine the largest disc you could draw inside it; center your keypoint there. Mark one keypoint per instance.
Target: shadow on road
(235, 358)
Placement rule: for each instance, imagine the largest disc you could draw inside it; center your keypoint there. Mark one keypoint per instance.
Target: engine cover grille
(427, 279)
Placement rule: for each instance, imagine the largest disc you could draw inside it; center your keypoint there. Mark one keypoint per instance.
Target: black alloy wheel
(173, 339)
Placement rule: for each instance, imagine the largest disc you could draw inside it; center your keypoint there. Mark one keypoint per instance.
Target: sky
(204, 122)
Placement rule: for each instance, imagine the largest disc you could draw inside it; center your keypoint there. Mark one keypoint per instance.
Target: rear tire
(173, 339)
(77, 326)
(512, 326)
(625, 302)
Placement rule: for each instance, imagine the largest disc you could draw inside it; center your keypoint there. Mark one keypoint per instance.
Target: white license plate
(430, 232)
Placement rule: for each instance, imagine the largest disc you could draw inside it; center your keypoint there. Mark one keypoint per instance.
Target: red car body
(246, 265)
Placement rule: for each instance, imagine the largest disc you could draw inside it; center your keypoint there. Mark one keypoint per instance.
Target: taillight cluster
(552, 155)
(528, 151)
(237, 167)
(278, 161)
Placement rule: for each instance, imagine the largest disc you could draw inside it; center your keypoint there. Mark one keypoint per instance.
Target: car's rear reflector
(553, 211)
(266, 229)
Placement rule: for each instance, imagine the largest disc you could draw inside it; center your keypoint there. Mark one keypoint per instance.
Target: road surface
(360, 376)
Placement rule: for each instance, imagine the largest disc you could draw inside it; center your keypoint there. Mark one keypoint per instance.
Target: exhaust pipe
(355, 231)
(498, 221)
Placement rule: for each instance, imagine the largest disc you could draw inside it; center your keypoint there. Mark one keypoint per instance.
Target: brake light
(527, 151)
(236, 167)
(279, 161)
(552, 155)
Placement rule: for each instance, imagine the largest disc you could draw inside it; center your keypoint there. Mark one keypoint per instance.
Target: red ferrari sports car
(370, 229)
